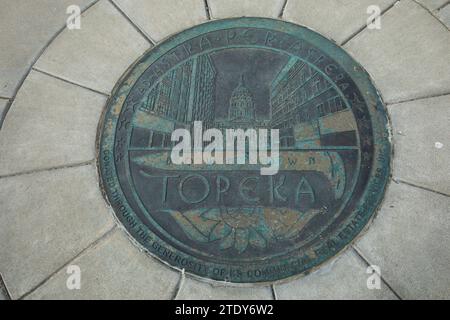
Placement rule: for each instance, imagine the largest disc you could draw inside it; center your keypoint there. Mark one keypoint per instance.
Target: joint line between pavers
(274, 292)
(437, 16)
(35, 59)
(70, 82)
(364, 27)
(133, 24)
(180, 285)
(443, 5)
(24, 173)
(207, 9)
(398, 180)
(418, 98)
(4, 288)
(366, 261)
(283, 9)
(81, 253)
(434, 12)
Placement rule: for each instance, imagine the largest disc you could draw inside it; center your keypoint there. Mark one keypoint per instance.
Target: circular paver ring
(65, 93)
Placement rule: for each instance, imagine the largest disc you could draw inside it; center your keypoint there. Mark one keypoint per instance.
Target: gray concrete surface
(47, 219)
(422, 149)
(409, 241)
(408, 58)
(99, 53)
(113, 269)
(343, 278)
(51, 123)
(26, 28)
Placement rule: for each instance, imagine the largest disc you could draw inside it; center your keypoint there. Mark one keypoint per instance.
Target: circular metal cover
(229, 222)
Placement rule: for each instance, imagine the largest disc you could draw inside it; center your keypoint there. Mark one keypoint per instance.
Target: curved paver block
(3, 291)
(409, 242)
(422, 144)
(444, 15)
(46, 219)
(432, 4)
(159, 19)
(245, 8)
(345, 278)
(26, 27)
(113, 269)
(336, 19)
(3, 295)
(99, 53)
(409, 57)
(51, 123)
(195, 290)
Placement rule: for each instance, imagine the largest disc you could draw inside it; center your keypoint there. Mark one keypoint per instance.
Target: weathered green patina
(227, 222)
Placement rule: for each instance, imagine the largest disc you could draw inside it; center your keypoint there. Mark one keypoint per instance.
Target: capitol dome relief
(241, 103)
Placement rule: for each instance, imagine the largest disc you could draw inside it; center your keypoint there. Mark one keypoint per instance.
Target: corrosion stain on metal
(229, 223)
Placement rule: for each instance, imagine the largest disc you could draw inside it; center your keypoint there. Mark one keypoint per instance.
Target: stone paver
(3, 296)
(422, 145)
(46, 219)
(159, 19)
(196, 290)
(114, 269)
(432, 4)
(3, 293)
(345, 278)
(444, 15)
(3, 104)
(51, 123)
(245, 8)
(26, 27)
(408, 58)
(337, 20)
(409, 242)
(99, 53)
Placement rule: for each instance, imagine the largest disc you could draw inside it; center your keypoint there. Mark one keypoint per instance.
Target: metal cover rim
(336, 242)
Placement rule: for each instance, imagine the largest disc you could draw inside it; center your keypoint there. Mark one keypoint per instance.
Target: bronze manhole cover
(228, 222)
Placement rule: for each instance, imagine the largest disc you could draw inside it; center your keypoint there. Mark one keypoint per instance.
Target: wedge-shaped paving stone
(195, 290)
(3, 295)
(159, 19)
(409, 242)
(3, 291)
(46, 219)
(345, 278)
(26, 27)
(432, 4)
(409, 57)
(245, 8)
(422, 144)
(337, 20)
(444, 15)
(97, 54)
(51, 123)
(114, 269)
